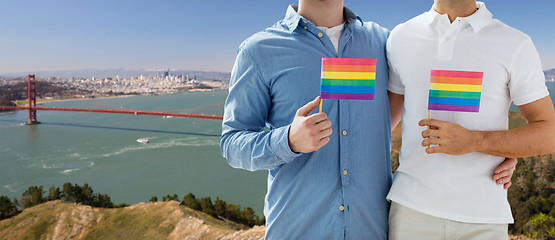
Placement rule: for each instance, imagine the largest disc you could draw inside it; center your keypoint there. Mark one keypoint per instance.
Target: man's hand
(309, 133)
(449, 138)
(504, 172)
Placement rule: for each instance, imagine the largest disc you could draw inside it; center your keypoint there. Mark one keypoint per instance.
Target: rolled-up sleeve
(244, 142)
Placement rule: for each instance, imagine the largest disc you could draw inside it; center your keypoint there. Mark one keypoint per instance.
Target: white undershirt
(334, 33)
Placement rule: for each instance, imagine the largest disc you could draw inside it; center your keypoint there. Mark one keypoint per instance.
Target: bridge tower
(32, 96)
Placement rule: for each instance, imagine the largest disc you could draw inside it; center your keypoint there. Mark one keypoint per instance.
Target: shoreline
(86, 98)
(41, 101)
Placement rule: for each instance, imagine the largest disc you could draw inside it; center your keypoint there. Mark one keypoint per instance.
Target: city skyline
(191, 35)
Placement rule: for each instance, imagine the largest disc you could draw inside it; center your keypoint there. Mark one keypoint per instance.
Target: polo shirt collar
(477, 21)
(480, 18)
(293, 19)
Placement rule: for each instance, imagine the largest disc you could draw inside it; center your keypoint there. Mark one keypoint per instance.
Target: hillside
(160, 220)
(549, 74)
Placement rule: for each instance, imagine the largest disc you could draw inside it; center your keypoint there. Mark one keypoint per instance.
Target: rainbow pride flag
(348, 78)
(455, 91)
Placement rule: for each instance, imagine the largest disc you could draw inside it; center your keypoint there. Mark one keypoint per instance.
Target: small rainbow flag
(348, 78)
(455, 91)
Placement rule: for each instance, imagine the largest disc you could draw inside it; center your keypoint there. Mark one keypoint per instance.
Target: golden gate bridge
(32, 108)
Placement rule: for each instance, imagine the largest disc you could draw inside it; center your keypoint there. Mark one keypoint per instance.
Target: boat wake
(9, 187)
(168, 143)
(69, 170)
(74, 166)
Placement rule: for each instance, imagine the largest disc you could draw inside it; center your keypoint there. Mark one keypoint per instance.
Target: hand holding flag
(342, 78)
(309, 133)
(450, 138)
(458, 91)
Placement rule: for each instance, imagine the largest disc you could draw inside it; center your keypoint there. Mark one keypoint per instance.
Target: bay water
(102, 150)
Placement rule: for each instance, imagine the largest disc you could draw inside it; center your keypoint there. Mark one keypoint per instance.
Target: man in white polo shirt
(464, 68)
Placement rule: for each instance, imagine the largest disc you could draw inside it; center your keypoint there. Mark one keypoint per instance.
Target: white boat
(143, 140)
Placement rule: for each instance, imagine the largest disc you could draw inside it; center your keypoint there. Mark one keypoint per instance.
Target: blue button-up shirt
(337, 192)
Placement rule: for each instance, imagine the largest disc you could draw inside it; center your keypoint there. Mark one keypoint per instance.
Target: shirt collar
(292, 18)
(477, 21)
(481, 18)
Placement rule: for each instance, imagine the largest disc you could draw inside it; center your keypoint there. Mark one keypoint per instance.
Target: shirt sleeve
(394, 83)
(527, 81)
(244, 141)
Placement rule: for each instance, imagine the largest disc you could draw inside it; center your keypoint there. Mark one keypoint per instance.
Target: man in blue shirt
(329, 173)
(338, 191)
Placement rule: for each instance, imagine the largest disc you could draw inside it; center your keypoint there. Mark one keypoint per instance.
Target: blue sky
(192, 35)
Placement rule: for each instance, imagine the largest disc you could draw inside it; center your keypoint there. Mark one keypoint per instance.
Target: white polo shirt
(458, 188)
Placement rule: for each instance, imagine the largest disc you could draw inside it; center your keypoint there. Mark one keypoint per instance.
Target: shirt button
(341, 208)
(304, 21)
(320, 34)
(305, 27)
(447, 38)
(344, 172)
(344, 133)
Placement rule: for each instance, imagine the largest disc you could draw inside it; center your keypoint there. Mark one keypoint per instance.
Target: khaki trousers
(408, 224)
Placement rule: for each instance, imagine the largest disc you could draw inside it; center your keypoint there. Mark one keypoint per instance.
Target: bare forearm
(534, 139)
(538, 137)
